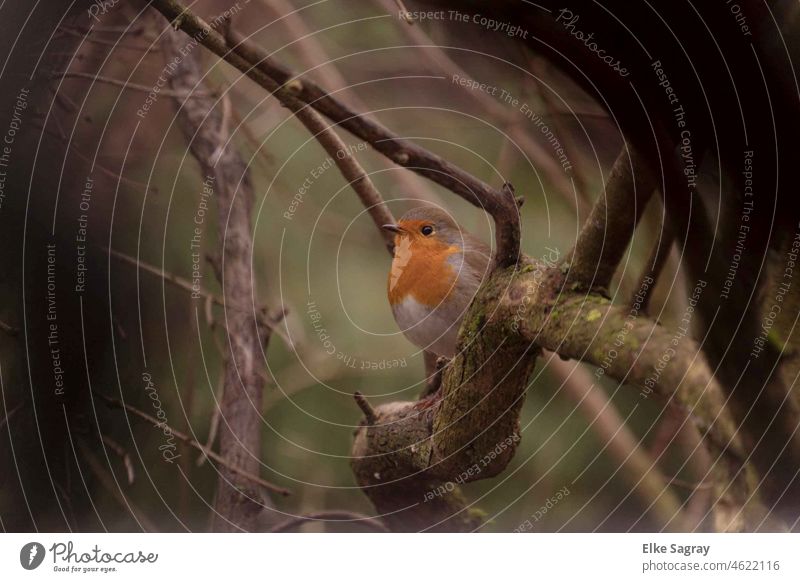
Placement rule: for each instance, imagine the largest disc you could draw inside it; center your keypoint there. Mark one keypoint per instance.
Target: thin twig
(331, 516)
(312, 53)
(110, 484)
(434, 369)
(127, 84)
(113, 402)
(123, 454)
(11, 413)
(175, 280)
(692, 486)
(351, 170)
(265, 320)
(366, 407)
(112, 173)
(113, 44)
(619, 442)
(122, 29)
(401, 5)
(519, 135)
(9, 329)
(213, 425)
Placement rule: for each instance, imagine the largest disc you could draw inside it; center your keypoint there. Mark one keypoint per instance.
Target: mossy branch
(409, 456)
(472, 421)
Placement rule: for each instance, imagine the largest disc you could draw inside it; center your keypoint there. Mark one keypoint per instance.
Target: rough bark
(417, 447)
(238, 503)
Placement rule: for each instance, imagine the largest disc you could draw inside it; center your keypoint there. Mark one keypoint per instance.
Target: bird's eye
(427, 230)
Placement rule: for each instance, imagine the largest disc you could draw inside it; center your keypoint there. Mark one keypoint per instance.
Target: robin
(436, 271)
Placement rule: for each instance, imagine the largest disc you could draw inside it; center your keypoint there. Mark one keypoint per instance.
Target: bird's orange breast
(420, 269)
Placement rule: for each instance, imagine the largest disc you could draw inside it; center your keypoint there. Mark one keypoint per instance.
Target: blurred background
(317, 254)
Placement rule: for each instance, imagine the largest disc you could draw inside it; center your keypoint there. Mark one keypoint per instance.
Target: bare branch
(10, 413)
(175, 280)
(113, 44)
(619, 442)
(120, 451)
(110, 484)
(126, 84)
(205, 128)
(9, 329)
(213, 424)
(366, 407)
(122, 29)
(114, 403)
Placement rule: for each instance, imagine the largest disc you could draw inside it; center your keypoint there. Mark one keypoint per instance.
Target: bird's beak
(392, 228)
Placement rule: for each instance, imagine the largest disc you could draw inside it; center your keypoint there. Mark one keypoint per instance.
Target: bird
(437, 268)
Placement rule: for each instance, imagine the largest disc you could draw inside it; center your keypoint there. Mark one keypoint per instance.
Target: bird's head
(427, 228)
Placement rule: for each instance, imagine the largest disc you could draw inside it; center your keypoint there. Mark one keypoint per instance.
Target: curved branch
(301, 96)
(468, 430)
(383, 140)
(606, 234)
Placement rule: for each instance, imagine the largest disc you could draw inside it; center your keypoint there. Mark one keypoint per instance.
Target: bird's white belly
(433, 330)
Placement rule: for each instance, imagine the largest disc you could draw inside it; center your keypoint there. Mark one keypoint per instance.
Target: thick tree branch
(422, 445)
(606, 234)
